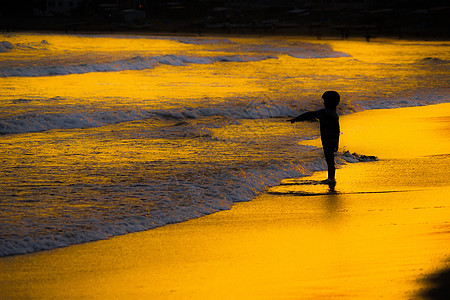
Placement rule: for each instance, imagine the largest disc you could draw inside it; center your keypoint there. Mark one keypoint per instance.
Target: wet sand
(384, 231)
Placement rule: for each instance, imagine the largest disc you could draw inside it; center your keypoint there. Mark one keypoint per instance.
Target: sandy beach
(380, 236)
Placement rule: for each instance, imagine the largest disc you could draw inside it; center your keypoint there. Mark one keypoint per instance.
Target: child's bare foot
(328, 181)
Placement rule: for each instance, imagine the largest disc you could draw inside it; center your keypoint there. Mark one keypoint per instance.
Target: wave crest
(35, 122)
(433, 60)
(136, 63)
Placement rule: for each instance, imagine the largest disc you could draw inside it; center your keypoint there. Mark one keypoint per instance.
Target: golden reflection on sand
(400, 133)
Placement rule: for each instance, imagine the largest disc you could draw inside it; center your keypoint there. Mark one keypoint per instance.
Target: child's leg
(329, 158)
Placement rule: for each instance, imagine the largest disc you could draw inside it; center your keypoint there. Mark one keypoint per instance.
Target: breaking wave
(433, 60)
(135, 63)
(258, 109)
(228, 187)
(6, 46)
(300, 50)
(35, 122)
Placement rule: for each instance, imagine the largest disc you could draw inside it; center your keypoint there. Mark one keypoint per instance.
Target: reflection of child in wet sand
(329, 128)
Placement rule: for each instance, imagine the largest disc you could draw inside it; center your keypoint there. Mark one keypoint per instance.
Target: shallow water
(116, 134)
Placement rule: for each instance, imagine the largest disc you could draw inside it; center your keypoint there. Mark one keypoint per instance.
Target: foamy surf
(67, 65)
(135, 63)
(36, 122)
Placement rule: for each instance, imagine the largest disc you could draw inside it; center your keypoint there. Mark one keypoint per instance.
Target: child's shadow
(331, 184)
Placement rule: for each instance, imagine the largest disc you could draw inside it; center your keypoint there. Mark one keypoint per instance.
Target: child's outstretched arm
(310, 115)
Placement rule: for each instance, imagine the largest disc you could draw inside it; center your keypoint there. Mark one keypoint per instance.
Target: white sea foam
(35, 122)
(205, 195)
(434, 61)
(300, 50)
(206, 41)
(46, 121)
(6, 46)
(232, 185)
(415, 100)
(253, 110)
(135, 63)
(255, 52)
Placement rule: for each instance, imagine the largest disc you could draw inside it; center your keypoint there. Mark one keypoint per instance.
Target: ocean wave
(136, 63)
(197, 41)
(6, 46)
(433, 60)
(301, 50)
(252, 110)
(319, 51)
(35, 122)
(415, 100)
(257, 109)
(255, 52)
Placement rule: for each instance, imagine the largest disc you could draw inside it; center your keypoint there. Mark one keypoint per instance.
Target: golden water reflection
(345, 245)
(359, 246)
(402, 70)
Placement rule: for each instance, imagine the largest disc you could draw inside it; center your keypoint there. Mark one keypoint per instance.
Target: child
(329, 128)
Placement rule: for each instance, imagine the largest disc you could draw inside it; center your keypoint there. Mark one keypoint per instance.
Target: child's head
(331, 99)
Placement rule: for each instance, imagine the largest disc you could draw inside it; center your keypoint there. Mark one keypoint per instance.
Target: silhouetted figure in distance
(329, 129)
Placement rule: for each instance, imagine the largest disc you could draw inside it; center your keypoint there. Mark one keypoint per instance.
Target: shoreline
(193, 259)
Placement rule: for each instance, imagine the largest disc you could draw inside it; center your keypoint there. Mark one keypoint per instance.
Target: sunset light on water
(108, 135)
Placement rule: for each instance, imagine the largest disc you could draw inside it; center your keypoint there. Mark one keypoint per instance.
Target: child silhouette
(329, 128)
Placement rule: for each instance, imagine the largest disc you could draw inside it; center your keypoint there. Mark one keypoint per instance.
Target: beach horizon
(381, 234)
